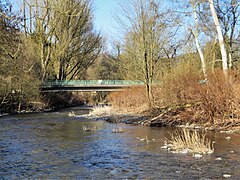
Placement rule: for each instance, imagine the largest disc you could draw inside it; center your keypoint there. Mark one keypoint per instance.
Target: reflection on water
(53, 145)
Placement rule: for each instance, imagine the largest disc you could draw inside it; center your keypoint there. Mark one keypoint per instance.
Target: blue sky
(103, 11)
(104, 20)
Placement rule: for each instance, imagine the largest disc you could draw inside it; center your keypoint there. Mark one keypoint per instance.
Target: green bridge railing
(91, 82)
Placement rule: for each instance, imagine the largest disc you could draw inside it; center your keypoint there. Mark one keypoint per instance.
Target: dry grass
(194, 141)
(130, 100)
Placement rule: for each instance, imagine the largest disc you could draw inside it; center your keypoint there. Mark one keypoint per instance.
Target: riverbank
(47, 102)
(182, 100)
(183, 117)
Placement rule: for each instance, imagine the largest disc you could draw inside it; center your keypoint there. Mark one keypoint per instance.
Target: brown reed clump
(192, 141)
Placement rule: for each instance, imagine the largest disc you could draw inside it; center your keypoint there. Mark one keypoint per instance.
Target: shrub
(16, 93)
(177, 84)
(215, 101)
(130, 99)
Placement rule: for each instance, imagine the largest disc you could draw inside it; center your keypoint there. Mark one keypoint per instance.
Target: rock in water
(227, 175)
(197, 156)
(228, 138)
(118, 130)
(185, 151)
(218, 159)
(89, 128)
(71, 114)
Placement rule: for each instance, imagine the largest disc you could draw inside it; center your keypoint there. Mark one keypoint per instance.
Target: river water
(54, 146)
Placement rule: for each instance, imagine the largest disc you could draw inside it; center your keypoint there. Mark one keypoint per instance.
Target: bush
(177, 84)
(17, 93)
(218, 99)
(184, 92)
(215, 101)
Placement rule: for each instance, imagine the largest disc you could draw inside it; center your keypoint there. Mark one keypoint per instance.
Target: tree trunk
(146, 61)
(230, 65)
(42, 61)
(30, 14)
(197, 43)
(220, 38)
(24, 18)
(201, 58)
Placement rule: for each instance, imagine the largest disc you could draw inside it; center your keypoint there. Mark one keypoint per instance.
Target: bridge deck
(88, 85)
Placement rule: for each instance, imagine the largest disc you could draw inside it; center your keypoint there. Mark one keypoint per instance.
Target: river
(54, 146)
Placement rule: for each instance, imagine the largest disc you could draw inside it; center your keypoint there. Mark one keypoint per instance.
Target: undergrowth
(133, 99)
(215, 101)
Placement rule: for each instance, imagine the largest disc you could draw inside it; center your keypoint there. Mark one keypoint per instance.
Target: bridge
(88, 85)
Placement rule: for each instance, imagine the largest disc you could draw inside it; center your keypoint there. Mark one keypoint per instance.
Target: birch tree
(188, 16)
(228, 12)
(220, 37)
(195, 33)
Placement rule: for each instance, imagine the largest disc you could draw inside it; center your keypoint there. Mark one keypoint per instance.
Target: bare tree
(228, 12)
(16, 63)
(65, 36)
(188, 16)
(144, 41)
(77, 45)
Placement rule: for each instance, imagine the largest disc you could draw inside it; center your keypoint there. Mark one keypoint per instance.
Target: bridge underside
(99, 88)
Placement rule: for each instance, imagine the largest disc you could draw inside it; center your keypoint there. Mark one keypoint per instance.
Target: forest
(191, 47)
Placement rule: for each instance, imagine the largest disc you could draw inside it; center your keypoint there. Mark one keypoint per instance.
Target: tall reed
(194, 141)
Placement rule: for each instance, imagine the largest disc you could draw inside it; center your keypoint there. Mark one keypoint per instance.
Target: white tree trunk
(201, 57)
(197, 42)
(220, 37)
